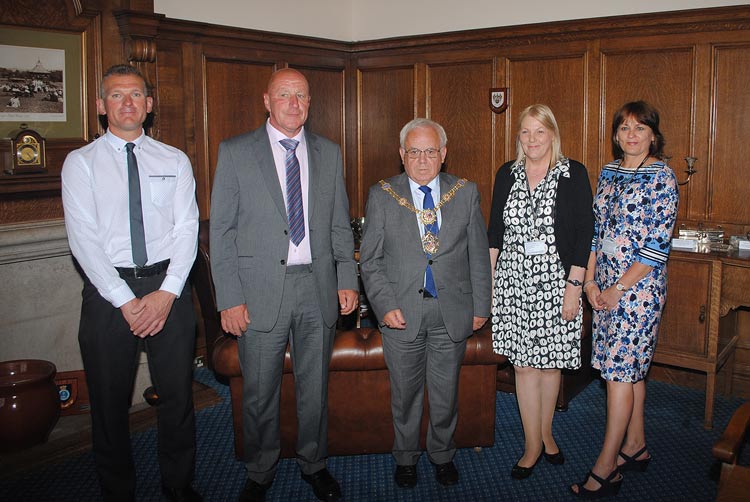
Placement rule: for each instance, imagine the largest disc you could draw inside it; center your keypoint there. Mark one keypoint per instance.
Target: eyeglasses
(414, 153)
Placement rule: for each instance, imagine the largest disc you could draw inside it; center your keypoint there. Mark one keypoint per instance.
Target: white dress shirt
(297, 255)
(97, 219)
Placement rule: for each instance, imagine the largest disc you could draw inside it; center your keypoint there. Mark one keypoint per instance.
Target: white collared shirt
(297, 255)
(97, 217)
(418, 197)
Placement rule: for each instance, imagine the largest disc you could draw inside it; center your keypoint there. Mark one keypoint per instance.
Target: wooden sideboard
(702, 288)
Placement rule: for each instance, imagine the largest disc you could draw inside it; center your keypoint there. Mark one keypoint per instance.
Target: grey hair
(122, 70)
(422, 122)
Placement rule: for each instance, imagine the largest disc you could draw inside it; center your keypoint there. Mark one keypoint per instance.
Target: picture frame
(63, 49)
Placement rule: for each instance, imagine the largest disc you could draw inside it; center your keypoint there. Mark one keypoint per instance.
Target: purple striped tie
(294, 209)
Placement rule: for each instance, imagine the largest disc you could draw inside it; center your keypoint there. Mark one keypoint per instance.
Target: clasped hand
(603, 300)
(146, 316)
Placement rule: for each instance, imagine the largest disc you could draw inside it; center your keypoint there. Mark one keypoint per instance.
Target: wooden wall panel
(458, 100)
(729, 186)
(233, 101)
(560, 83)
(326, 114)
(170, 100)
(662, 76)
(386, 103)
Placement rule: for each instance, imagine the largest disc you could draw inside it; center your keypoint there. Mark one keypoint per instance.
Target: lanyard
(534, 208)
(620, 185)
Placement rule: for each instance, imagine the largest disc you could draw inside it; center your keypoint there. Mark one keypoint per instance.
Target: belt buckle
(137, 272)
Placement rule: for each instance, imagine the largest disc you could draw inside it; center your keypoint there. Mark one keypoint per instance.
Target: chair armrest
(225, 355)
(479, 348)
(727, 448)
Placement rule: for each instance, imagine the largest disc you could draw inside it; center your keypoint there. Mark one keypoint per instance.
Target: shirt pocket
(163, 188)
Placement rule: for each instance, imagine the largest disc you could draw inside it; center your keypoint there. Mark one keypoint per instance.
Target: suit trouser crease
(300, 324)
(432, 359)
(111, 354)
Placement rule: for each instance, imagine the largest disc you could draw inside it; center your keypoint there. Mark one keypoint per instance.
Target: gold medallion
(428, 216)
(430, 243)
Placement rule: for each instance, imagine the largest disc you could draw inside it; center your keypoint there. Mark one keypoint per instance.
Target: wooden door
(688, 319)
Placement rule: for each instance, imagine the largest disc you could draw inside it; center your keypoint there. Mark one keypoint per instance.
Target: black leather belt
(143, 272)
(426, 294)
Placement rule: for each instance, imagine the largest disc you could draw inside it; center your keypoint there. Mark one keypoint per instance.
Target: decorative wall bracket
(690, 170)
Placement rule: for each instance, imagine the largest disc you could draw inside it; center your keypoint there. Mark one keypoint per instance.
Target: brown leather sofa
(572, 382)
(359, 411)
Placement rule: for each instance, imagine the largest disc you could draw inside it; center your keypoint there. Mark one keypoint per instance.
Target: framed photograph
(41, 82)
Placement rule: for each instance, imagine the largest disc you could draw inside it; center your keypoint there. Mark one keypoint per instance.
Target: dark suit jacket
(249, 228)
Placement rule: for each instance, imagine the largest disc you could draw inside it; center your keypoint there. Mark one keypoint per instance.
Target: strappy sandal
(631, 464)
(608, 487)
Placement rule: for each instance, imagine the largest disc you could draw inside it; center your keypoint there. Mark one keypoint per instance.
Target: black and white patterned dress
(527, 323)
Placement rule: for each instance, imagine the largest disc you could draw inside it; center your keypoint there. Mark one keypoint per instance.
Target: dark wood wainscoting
(209, 82)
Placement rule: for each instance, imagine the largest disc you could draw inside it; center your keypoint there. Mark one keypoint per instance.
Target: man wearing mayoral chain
(425, 266)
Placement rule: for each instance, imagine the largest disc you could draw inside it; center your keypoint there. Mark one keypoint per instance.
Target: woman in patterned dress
(540, 235)
(626, 283)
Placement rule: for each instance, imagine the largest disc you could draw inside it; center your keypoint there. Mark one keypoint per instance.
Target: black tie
(137, 236)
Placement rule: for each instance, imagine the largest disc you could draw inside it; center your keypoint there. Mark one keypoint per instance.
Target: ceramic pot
(29, 403)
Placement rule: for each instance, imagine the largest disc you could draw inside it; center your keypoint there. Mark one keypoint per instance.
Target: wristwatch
(620, 286)
(575, 282)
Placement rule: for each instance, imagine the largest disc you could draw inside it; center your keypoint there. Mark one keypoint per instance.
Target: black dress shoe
(554, 458)
(186, 494)
(518, 472)
(324, 485)
(446, 474)
(406, 476)
(254, 491)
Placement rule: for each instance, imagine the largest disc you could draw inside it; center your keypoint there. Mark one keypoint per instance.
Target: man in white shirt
(132, 224)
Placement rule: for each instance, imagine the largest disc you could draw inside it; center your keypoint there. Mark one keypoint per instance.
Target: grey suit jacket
(249, 228)
(393, 263)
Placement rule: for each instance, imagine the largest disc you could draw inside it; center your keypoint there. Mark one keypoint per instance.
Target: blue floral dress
(635, 209)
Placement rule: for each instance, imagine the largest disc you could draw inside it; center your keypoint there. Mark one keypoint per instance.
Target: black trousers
(110, 353)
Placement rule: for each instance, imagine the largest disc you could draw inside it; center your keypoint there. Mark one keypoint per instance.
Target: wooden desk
(702, 288)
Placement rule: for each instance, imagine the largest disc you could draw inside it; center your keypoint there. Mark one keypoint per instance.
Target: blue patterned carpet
(680, 470)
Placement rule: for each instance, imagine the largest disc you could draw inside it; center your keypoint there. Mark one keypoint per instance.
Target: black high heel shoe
(631, 464)
(518, 472)
(609, 487)
(554, 458)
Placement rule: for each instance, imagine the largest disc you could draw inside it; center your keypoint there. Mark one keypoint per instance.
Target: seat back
(203, 286)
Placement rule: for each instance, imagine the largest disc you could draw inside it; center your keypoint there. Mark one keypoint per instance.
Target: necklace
(614, 197)
(430, 241)
(542, 185)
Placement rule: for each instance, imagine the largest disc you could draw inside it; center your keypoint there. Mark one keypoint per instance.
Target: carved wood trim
(660, 23)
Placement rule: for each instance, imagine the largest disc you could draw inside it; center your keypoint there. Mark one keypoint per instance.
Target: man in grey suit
(282, 258)
(426, 270)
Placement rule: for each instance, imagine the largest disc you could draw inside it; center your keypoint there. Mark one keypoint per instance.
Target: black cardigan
(574, 216)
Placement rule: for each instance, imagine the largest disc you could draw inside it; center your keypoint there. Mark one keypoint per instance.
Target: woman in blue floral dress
(635, 208)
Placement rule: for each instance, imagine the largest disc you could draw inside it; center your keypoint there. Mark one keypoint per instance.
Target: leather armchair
(359, 410)
(734, 482)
